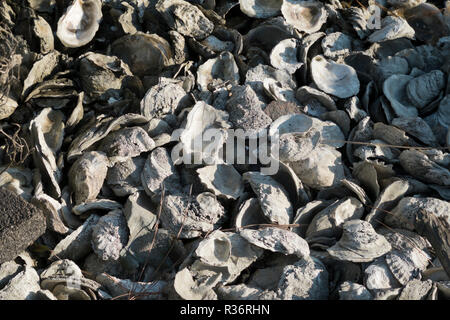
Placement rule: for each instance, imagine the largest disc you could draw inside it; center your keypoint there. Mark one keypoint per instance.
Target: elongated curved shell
(425, 88)
(392, 28)
(260, 8)
(87, 174)
(47, 132)
(277, 240)
(78, 26)
(337, 79)
(306, 16)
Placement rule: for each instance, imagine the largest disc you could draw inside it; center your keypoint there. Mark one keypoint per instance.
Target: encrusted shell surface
(307, 16)
(337, 79)
(185, 18)
(272, 197)
(277, 240)
(87, 174)
(359, 243)
(202, 214)
(425, 88)
(305, 280)
(79, 24)
(353, 291)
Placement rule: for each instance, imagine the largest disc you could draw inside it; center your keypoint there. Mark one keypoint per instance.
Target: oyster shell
(353, 291)
(337, 79)
(272, 197)
(327, 222)
(79, 24)
(425, 88)
(145, 54)
(159, 173)
(277, 240)
(394, 88)
(359, 243)
(223, 180)
(110, 235)
(185, 18)
(305, 280)
(242, 255)
(420, 166)
(87, 174)
(190, 218)
(260, 8)
(392, 27)
(47, 131)
(284, 55)
(306, 16)
(217, 71)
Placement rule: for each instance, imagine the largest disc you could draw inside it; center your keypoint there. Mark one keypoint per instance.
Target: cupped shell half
(79, 24)
(337, 79)
(306, 16)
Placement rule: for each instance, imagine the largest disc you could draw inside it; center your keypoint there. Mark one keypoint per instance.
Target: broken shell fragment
(337, 79)
(359, 243)
(79, 24)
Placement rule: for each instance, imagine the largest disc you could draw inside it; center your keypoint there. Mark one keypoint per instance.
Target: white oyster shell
(78, 26)
(306, 16)
(260, 8)
(284, 55)
(337, 79)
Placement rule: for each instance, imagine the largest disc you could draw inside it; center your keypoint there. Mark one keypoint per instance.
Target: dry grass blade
(8, 46)
(16, 147)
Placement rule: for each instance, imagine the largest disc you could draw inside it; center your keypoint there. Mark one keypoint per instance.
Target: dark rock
(21, 224)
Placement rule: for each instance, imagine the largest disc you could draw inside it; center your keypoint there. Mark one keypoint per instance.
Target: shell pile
(102, 105)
